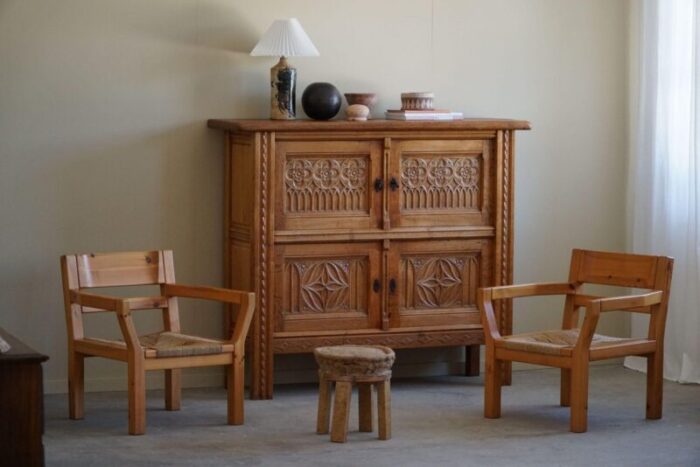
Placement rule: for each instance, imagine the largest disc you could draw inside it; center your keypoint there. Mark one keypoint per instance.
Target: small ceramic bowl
(362, 98)
(417, 100)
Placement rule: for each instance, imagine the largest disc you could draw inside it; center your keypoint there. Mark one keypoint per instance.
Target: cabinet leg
(269, 377)
(471, 360)
(261, 378)
(254, 389)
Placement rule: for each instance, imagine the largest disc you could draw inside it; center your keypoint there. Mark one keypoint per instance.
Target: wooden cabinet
(434, 283)
(327, 185)
(21, 404)
(441, 183)
(321, 287)
(376, 232)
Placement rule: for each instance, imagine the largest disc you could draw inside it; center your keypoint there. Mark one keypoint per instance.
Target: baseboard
(208, 377)
(192, 378)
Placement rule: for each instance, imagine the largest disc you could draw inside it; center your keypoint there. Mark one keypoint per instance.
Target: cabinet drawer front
(442, 183)
(436, 281)
(327, 185)
(327, 286)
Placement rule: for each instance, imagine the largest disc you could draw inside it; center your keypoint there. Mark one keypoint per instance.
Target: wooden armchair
(168, 350)
(571, 348)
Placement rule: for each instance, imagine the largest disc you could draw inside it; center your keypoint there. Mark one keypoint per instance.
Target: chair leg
(323, 417)
(492, 385)
(471, 360)
(173, 389)
(579, 397)
(384, 408)
(76, 385)
(341, 411)
(364, 391)
(236, 388)
(655, 373)
(137, 398)
(565, 396)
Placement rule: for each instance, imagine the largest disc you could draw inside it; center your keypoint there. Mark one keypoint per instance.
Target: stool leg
(364, 391)
(341, 411)
(384, 409)
(324, 405)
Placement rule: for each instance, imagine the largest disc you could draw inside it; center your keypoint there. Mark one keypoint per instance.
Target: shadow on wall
(217, 34)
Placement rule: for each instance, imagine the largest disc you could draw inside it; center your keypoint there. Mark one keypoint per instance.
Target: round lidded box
(417, 100)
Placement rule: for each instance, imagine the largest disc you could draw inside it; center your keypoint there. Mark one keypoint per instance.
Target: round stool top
(355, 360)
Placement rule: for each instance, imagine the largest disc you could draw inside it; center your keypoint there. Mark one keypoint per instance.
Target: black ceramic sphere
(321, 101)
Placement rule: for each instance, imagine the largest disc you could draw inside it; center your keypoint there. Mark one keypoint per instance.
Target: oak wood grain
(145, 268)
(615, 269)
(369, 125)
(374, 232)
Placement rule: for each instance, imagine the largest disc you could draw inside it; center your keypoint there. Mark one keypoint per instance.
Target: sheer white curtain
(665, 173)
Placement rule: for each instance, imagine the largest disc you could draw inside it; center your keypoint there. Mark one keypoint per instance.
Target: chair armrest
(638, 302)
(118, 305)
(101, 302)
(530, 290)
(246, 300)
(205, 293)
(486, 295)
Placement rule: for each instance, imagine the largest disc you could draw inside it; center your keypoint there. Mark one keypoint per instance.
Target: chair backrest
(119, 269)
(90, 270)
(621, 269)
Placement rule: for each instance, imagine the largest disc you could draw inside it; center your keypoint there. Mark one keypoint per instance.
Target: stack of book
(435, 114)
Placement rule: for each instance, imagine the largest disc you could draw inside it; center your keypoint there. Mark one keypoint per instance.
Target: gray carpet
(436, 422)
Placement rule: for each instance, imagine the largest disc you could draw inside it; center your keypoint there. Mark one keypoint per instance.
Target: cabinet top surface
(19, 351)
(369, 125)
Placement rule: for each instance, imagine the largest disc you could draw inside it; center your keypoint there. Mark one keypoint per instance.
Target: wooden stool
(361, 365)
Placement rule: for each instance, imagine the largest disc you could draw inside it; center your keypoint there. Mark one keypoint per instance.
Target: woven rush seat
(355, 360)
(557, 342)
(173, 344)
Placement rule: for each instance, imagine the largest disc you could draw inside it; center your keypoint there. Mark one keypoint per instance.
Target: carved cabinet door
(434, 282)
(441, 183)
(327, 185)
(321, 287)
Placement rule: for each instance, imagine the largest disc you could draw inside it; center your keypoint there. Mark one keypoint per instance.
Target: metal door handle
(393, 184)
(378, 184)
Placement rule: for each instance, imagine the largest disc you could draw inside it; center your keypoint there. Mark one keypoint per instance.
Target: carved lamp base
(283, 86)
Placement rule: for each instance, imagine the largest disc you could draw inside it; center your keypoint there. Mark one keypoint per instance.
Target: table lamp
(285, 38)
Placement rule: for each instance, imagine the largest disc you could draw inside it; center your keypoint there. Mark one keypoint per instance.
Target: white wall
(103, 143)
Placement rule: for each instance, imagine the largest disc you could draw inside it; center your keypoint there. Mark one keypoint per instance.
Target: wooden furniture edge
(369, 125)
(19, 351)
(397, 340)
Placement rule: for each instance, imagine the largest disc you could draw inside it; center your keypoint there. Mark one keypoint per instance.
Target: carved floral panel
(317, 185)
(444, 281)
(440, 182)
(325, 286)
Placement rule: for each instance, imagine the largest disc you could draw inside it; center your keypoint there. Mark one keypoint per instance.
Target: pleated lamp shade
(285, 38)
